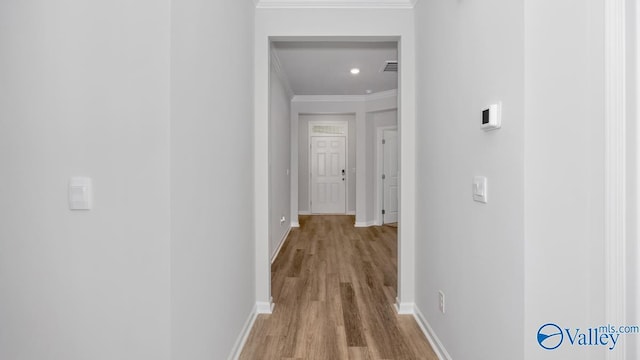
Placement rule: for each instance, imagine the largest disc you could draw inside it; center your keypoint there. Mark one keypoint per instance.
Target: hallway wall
(212, 252)
(471, 54)
(84, 91)
(565, 172)
(534, 253)
(279, 158)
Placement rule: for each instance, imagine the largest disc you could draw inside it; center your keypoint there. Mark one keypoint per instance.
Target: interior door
(328, 171)
(390, 177)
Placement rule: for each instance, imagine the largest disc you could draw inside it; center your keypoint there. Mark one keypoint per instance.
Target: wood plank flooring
(334, 287)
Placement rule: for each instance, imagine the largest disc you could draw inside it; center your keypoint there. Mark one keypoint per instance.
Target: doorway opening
(387, 175)
(335, 115)
(268, 222)
(327, 163)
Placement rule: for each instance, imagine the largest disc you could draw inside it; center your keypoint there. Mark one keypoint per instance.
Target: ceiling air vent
(390, 66)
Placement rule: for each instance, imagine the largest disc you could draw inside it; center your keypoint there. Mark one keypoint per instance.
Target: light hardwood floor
(334, 287)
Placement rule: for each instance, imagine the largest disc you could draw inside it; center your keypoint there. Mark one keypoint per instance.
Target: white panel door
(390, 177)
(328, 182)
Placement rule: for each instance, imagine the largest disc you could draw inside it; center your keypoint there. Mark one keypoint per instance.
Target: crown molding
(335, 4)
(382, 95)
(277, 65)
(345, 98)
(328, 98)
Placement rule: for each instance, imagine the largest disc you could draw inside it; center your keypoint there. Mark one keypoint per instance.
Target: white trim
(615, 167)
(382, 95)
(436, 344)
(284, 238)
(328, 98)
(633, 292)
(263, 307)
(366, 223)
(346, 98)
(404, 308)
(351, 212)
(304, 212)
(244, 334)
(295, 224)
(277, 65)
(332, 4)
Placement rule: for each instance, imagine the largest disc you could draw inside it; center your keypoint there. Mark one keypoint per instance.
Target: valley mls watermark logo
(551, 336)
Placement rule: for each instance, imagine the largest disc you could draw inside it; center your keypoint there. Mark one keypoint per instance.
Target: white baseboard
(365, 223)
(303, 212)
(405, 308)
(436, 344)
(295, 224)
(351, 212)
(244, 334)
(284, 238)
(264, 307)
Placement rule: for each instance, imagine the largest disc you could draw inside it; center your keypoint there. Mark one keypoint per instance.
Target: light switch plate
(492, 117)
(80, 193)
(480, 189)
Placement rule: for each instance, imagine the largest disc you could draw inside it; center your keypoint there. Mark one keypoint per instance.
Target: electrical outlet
(441, 303)
(282, 220)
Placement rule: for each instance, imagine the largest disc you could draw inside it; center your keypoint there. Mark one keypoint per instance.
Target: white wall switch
(441, 301)
(491, 117)
(480, 189)
(80, 193)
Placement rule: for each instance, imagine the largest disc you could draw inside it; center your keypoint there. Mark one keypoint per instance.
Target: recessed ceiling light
(368, 91)
(355, 71)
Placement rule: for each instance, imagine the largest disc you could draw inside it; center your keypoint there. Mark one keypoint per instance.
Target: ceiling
(323, 68)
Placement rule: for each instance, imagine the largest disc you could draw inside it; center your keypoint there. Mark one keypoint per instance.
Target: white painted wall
(564, 169)
(534, 253)
(471, 54)
(212, 260)
(280, 159)
(303, 158)
(84, 91)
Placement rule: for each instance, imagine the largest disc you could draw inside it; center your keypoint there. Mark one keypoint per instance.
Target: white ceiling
(323, 68)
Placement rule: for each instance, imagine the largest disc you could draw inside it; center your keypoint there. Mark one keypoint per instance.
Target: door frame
(619, 123)
(378, 197)
(310, 134)
(366, 25)
(632, 130)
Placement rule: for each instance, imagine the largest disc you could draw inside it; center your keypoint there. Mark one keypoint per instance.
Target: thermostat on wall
(491, 117)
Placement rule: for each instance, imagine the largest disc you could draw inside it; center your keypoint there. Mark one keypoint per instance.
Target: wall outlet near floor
(441, 302)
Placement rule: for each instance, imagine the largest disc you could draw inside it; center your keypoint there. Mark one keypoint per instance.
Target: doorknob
(343, 172)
